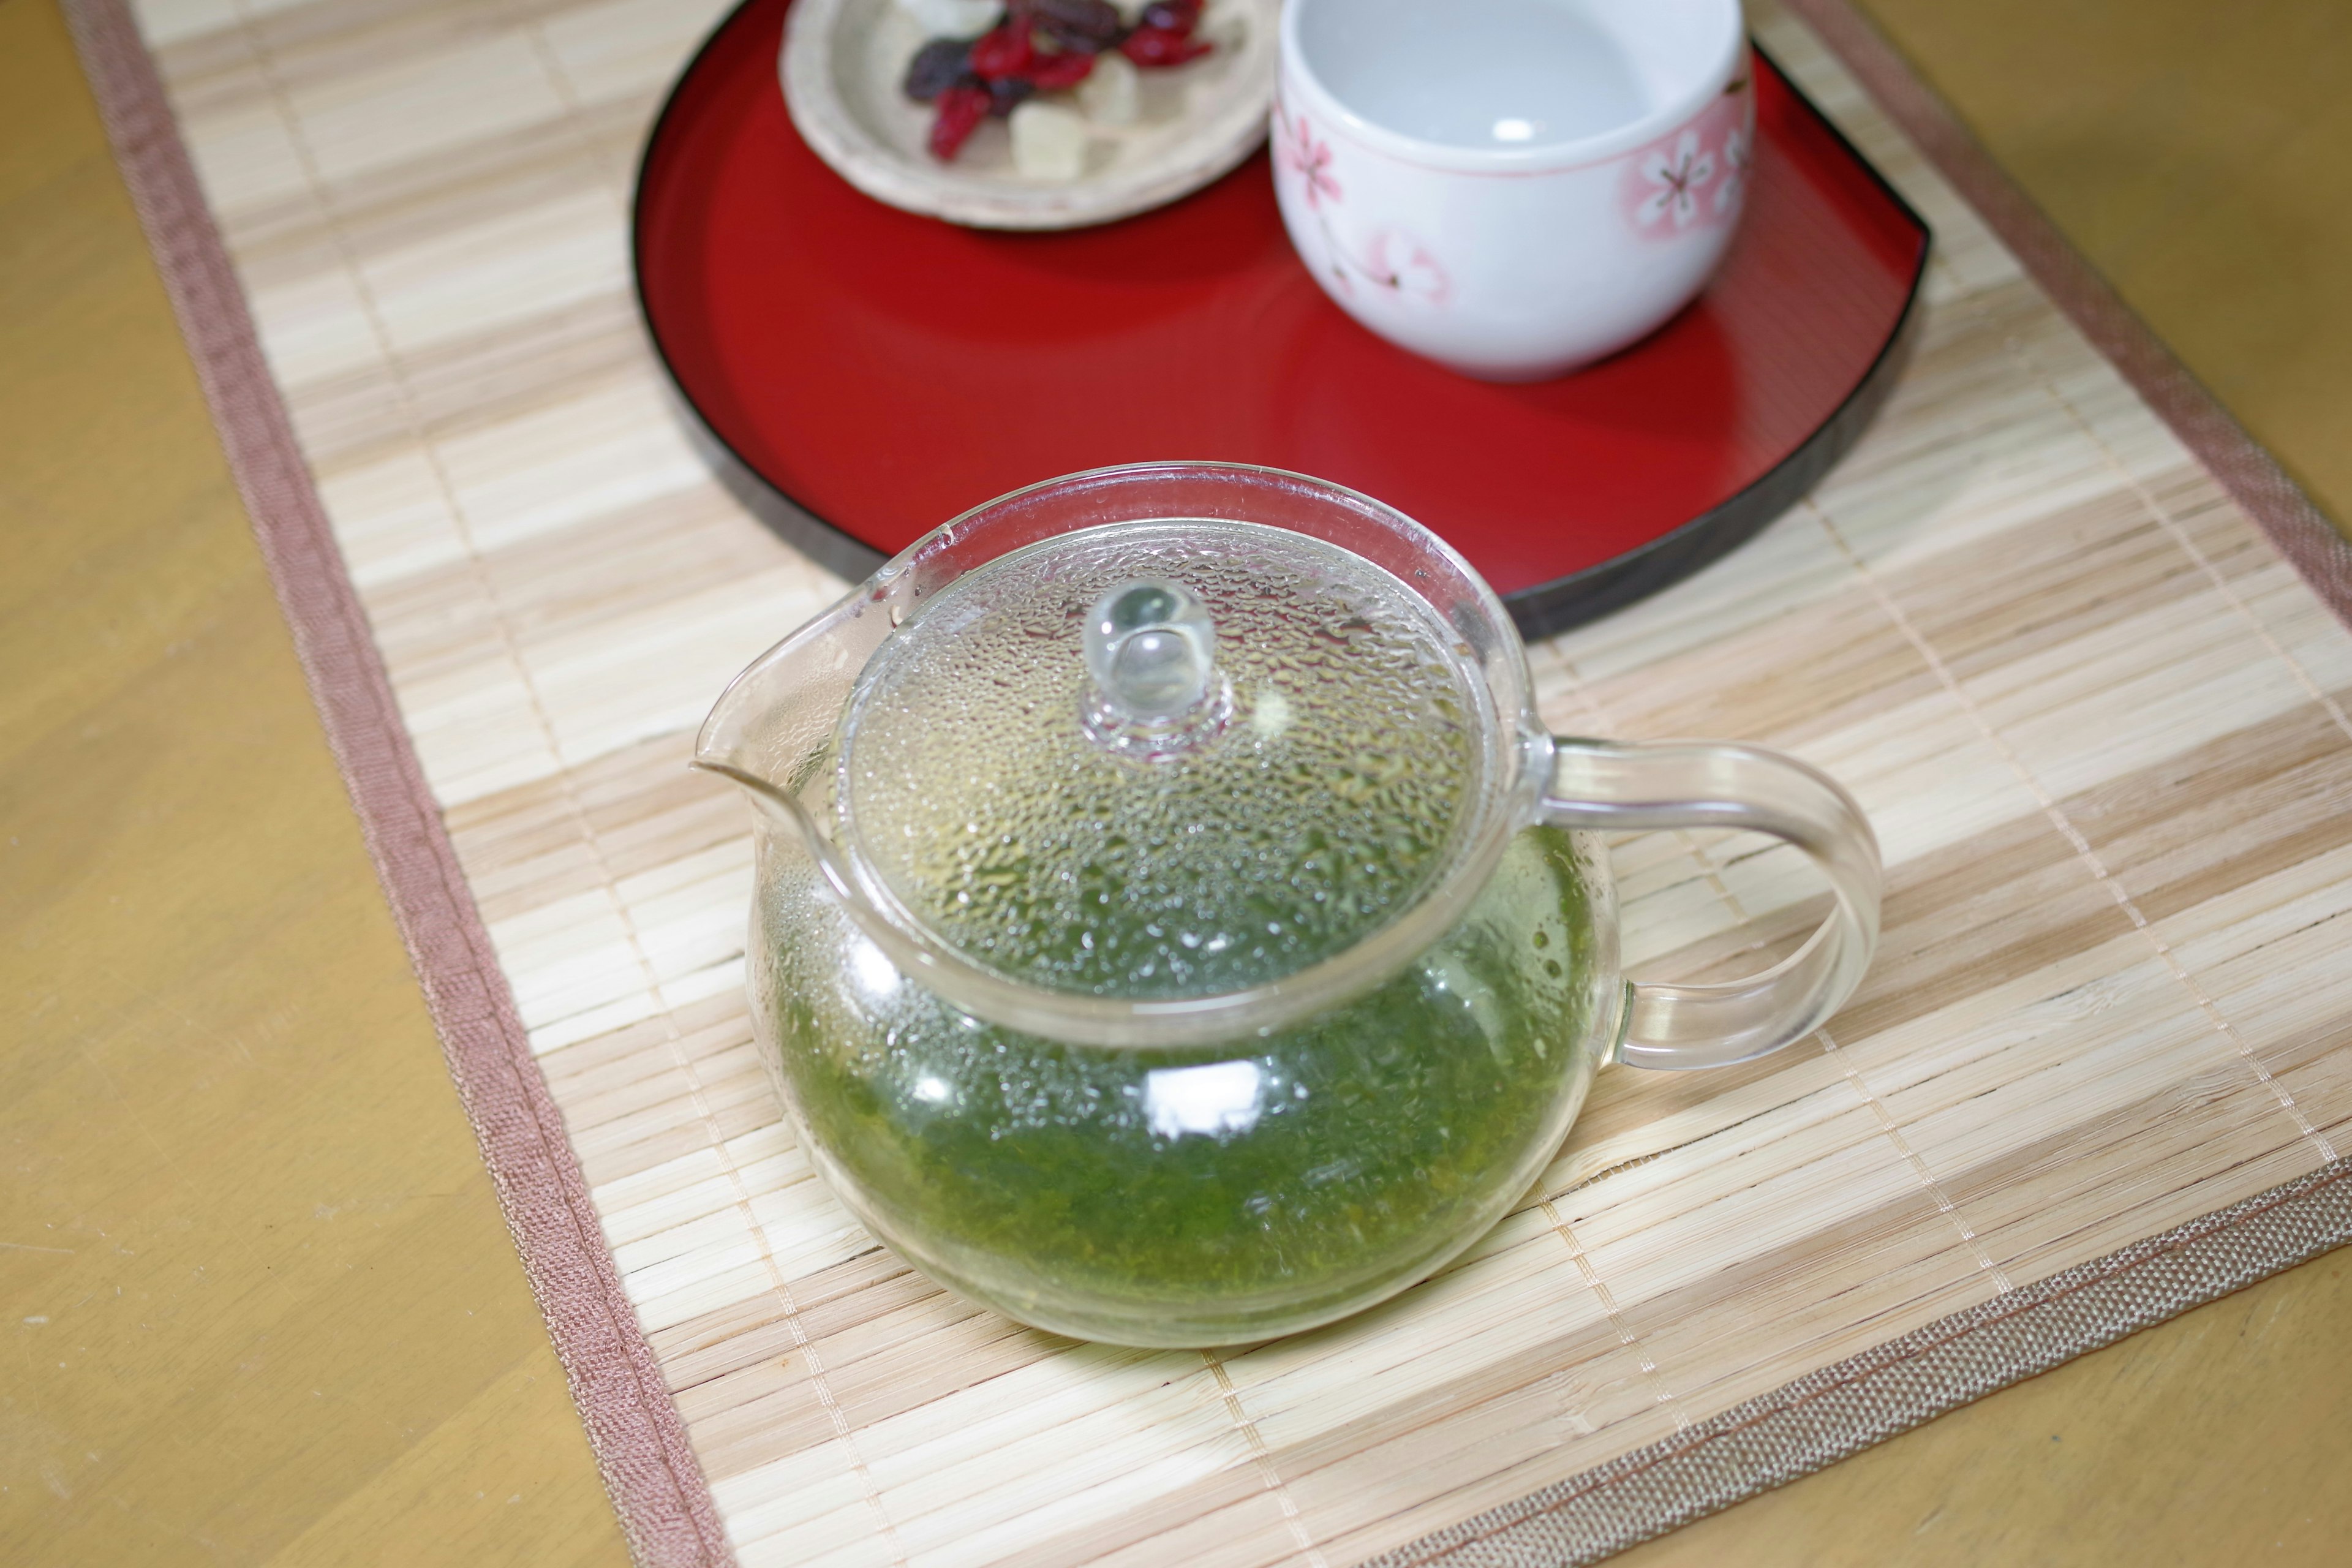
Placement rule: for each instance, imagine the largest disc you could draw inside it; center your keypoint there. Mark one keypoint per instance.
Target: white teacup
(1513, 187)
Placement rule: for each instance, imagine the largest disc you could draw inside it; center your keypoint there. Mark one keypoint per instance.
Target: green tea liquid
(1221, 1194)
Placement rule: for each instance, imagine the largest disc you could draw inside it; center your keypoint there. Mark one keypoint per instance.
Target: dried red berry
(938, 66)
(961, 108)
(1161, 47)
(1006, 52)
(1052, 72)
(1007, 94)
(1084, 24)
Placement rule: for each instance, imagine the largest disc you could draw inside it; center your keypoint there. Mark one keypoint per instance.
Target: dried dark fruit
(1160, 47)
(961, 108)
(1051, 73)
(1007, 94)
(1086, 26)
(1172, 16)
(1005, 52)
(938, 66)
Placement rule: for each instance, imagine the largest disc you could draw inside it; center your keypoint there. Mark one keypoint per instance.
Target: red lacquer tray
(867, 375)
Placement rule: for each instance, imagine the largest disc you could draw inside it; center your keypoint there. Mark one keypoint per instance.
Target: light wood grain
(2217, 1439)
(2194, 153)
(261, 1306)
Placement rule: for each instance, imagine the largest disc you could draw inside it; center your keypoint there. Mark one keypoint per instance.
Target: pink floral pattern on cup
(1396, 260)
(1391, 258)
(1695, 175)
(1738, 150)
(1299, 153)
(1673, 178)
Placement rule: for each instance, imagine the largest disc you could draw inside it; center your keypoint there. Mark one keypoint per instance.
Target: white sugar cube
(1109, 94)
(1049, 142)
(1225, 24)
(952, 18)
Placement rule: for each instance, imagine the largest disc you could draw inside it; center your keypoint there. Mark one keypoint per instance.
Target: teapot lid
(1165, 759)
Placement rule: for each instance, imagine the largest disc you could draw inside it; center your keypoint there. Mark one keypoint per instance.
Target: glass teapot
(1172, 925)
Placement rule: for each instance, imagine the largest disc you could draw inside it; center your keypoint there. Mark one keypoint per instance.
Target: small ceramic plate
(844, 61)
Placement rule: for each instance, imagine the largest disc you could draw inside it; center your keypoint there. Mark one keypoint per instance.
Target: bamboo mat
(2100, 724)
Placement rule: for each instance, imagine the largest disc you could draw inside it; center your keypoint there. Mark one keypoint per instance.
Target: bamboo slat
(2101, 727)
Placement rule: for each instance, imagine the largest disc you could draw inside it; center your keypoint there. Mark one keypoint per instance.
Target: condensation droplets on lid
(1161, 759)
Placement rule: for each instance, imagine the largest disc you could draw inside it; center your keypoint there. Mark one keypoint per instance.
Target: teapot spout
(771, 731)
(786, 811)
(773, 724)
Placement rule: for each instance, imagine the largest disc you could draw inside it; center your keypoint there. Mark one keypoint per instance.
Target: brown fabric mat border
(1841, 1410)
(666, 1509)
(665, 1506)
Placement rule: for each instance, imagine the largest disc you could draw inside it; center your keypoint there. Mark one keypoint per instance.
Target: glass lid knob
(1150, 652)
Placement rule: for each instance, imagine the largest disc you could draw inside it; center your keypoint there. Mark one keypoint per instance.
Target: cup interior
(1512, 76)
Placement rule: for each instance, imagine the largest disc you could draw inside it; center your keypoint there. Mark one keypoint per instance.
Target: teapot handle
(1623, 787)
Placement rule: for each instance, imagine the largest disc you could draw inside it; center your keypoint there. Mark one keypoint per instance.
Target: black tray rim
(1542, 610)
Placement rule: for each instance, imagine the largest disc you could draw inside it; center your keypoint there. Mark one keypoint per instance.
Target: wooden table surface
(263, 1305)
